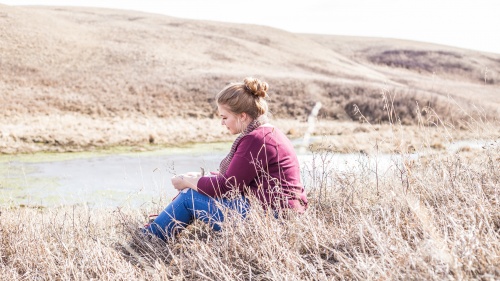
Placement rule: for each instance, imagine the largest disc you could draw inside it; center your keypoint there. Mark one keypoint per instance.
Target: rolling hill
(64, 65)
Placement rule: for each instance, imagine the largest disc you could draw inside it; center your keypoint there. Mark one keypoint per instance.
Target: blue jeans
(193, 205)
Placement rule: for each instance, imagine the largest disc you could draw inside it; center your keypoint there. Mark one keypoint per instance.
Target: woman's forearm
(192, 182)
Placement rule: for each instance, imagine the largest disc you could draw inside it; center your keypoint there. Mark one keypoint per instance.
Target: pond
(100, 179)
(136, 178)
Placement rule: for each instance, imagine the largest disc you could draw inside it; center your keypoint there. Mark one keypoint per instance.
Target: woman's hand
(183, 181)
(178, 182)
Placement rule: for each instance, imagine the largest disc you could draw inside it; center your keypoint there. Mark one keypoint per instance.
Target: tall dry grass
(424, 215)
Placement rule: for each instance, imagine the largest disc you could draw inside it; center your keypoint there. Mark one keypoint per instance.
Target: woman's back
(265, 165)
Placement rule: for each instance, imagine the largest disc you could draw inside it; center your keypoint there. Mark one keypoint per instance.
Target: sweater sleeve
(243, 169)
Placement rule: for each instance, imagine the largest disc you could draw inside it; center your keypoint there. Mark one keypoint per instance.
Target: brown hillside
(108, 62)
(439, 69)
(67, 73)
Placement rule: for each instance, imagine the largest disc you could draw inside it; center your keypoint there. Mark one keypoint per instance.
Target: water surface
(100, 179)
(138, 178)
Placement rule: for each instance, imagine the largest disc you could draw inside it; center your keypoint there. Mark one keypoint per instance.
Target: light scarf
(224, 164)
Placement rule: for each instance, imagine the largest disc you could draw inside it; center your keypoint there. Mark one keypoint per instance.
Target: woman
(262, 163)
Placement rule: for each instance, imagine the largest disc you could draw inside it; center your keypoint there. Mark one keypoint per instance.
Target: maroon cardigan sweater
(265, 165)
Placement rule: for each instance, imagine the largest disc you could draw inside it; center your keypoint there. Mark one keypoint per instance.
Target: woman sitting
(261, 163)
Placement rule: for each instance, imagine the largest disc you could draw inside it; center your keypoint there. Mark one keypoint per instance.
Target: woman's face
(232, 121)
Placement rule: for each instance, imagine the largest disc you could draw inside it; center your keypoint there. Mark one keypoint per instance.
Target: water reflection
(133, 179)
(100, 180)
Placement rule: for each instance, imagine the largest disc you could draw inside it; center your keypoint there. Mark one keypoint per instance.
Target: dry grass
(77, 133)
(431, 217)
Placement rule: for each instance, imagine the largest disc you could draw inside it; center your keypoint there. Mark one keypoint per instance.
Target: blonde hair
(248, 97)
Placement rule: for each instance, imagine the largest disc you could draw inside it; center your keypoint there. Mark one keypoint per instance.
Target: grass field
(433, 217)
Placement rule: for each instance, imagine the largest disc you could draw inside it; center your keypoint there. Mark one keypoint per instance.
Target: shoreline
(105, 137)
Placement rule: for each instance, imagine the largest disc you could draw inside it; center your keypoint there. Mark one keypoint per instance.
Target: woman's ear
(243, 116)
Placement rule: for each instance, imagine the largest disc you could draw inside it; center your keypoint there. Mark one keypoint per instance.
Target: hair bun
(256, 87)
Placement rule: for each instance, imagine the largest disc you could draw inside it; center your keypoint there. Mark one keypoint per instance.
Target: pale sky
(471, 24)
